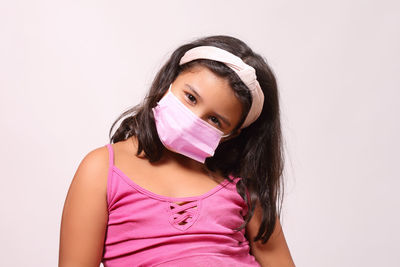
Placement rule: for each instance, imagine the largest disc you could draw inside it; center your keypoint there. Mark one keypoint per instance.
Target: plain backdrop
(69, 68)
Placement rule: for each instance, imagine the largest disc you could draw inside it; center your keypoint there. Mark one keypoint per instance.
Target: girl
(192, 175)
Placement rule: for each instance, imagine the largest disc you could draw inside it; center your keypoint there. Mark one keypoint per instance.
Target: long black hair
(255, 155)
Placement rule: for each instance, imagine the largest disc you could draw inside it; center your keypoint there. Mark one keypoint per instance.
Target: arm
(85, 213)
(274, 253)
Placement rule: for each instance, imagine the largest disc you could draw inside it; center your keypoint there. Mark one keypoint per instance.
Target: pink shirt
(146, 229)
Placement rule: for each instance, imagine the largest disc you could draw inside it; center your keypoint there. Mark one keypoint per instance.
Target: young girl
(192, 175)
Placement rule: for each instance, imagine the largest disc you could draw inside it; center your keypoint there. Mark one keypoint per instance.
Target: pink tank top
(146, 229)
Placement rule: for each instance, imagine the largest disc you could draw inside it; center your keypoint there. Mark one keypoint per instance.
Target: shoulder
(96, 160)
(93, 168)
(97, 157)
(85, 212)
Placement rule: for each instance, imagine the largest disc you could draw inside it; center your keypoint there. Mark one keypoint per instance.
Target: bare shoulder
(85, 213)
(93, 170)
(127, 147)
(96, 162)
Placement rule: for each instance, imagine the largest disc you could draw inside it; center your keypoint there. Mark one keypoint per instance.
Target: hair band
(245, 72)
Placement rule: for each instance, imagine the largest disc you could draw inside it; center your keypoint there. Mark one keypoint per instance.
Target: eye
(191, 98)
(215, 121)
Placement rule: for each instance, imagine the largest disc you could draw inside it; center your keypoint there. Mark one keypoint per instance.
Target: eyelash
(189, 96)
(192, 99)
(217, 123)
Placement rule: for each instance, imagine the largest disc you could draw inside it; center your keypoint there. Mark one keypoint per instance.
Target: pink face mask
(181, 131)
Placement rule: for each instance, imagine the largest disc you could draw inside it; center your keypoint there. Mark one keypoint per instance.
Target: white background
(69, 68)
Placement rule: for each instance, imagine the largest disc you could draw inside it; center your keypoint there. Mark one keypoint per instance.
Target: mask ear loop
(225, 135)
(229, 134)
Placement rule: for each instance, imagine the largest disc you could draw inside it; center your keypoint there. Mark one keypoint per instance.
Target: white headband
(246, 73)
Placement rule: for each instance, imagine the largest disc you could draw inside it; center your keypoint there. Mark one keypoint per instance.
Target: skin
(85, 214)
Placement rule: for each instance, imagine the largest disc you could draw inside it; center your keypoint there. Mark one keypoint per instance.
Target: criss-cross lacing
(183, 213)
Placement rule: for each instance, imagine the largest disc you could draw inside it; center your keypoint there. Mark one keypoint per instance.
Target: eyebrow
(225, 120)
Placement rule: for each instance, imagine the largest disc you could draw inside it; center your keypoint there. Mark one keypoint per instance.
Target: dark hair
(255, 155)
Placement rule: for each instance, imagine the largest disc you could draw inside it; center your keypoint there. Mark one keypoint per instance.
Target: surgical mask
(182, 131)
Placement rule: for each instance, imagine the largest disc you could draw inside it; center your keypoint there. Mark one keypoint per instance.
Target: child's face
(209, 97)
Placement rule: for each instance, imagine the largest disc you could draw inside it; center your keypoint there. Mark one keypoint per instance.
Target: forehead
(215, 91)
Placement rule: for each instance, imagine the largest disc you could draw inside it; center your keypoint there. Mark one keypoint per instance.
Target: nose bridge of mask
(198, 119)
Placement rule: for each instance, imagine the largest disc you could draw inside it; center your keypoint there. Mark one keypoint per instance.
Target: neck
(182, 161)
